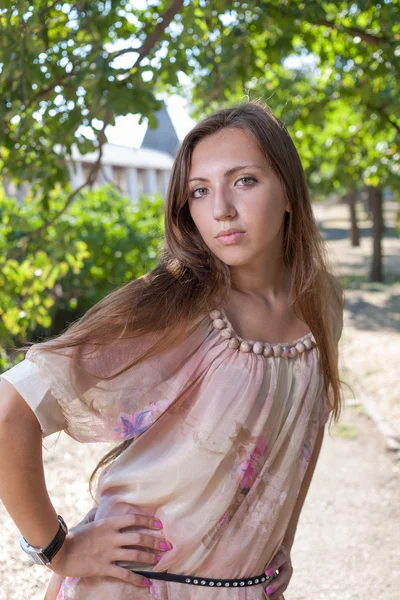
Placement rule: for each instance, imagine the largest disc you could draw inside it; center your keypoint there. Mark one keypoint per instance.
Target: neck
(269, 280)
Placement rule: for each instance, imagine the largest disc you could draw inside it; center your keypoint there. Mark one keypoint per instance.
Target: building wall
(129, 180)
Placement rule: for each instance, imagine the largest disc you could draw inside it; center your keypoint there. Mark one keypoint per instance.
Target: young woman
(215, 372)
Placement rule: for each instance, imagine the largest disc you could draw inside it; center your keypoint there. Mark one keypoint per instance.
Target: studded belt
(206, 581)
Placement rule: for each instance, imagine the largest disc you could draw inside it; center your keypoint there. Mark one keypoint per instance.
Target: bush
(99, 243)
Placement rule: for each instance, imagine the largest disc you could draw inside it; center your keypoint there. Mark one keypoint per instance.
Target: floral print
(249, 466)
(132, 425)
(307, 452)
(225, 464)
(67, 586)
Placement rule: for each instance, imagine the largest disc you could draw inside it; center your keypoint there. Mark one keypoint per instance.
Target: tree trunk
(376, 197)
(354, 230)
(366, 203)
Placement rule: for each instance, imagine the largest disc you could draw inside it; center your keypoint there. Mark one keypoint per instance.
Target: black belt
(197, 580)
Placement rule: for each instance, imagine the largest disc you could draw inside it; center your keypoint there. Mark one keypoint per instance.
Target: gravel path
(370, 343)
(347, 542)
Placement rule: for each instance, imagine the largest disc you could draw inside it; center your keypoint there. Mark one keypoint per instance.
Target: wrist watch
(44, 556)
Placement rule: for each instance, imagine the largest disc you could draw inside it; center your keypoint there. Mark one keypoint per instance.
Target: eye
(192, 194)
(251, 179)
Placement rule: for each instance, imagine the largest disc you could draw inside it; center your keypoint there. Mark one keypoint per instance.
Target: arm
(291, 529)
(24, 493)
(22, 482)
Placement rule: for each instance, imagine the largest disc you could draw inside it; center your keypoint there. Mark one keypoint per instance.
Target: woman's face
(232, 185)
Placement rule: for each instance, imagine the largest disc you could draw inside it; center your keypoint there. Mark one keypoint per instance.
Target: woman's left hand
(281, 561)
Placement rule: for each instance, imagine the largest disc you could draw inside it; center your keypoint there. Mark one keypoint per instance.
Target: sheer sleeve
(68, 390)
(26, 379)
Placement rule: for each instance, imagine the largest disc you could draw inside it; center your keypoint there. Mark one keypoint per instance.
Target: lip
(228, 232)
(231, 238)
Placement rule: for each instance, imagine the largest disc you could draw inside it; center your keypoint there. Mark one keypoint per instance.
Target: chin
(234, 261)
(233, 256)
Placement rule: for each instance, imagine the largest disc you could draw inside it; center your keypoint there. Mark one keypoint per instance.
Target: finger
(90, 516)
(278, 595)
(279, 584)
(127, 576)
(272, 568)
(128, 555)
(278, 560)
(284, 574)
(135, 520)
(132, 538)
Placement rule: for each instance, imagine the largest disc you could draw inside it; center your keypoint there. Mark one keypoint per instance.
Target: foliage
(103, 241)
(331, 72)
(329, 69)
(67, 65)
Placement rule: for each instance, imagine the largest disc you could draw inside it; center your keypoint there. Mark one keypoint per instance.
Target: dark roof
(164, 137)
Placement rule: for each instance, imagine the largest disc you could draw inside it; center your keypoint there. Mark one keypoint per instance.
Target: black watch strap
(51, 550)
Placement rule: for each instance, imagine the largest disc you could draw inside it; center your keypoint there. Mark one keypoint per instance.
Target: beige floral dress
(222, 437)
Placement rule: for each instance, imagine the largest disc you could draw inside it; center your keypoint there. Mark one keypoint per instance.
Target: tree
(62, 68)
(342, 110)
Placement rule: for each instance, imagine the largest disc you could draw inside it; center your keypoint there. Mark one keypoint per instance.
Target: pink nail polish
(270, 590)
(158, 557)
(269, 571)
(165, 546)
(157, 523)
(146, 581)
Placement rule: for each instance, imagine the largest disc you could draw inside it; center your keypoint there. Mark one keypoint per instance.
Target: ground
(370, 343)
(346, 544)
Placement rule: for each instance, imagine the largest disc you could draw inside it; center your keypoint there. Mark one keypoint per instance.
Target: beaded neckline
(275, 349)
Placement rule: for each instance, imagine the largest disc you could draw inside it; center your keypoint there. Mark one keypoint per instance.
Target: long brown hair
(189, 280)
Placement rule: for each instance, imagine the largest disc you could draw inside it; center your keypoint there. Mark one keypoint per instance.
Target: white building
(133, 170)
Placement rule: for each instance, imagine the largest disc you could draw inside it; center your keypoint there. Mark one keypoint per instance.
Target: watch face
(35, 554)
(40, 559)
(44, 556)
(28, 548)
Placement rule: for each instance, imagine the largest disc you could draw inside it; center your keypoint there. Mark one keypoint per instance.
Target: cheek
(267, 212)
(201, 221)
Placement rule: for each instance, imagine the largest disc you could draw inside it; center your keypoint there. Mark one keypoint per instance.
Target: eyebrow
(229, 171)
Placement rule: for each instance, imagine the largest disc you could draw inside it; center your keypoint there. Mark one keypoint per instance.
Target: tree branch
(89, 181)
(47, 9)
(380, 111)
(354, 32)
(154, 37)
(142, 51)
(159, 29)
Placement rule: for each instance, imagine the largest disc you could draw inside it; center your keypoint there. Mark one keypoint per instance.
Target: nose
(223, 205)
